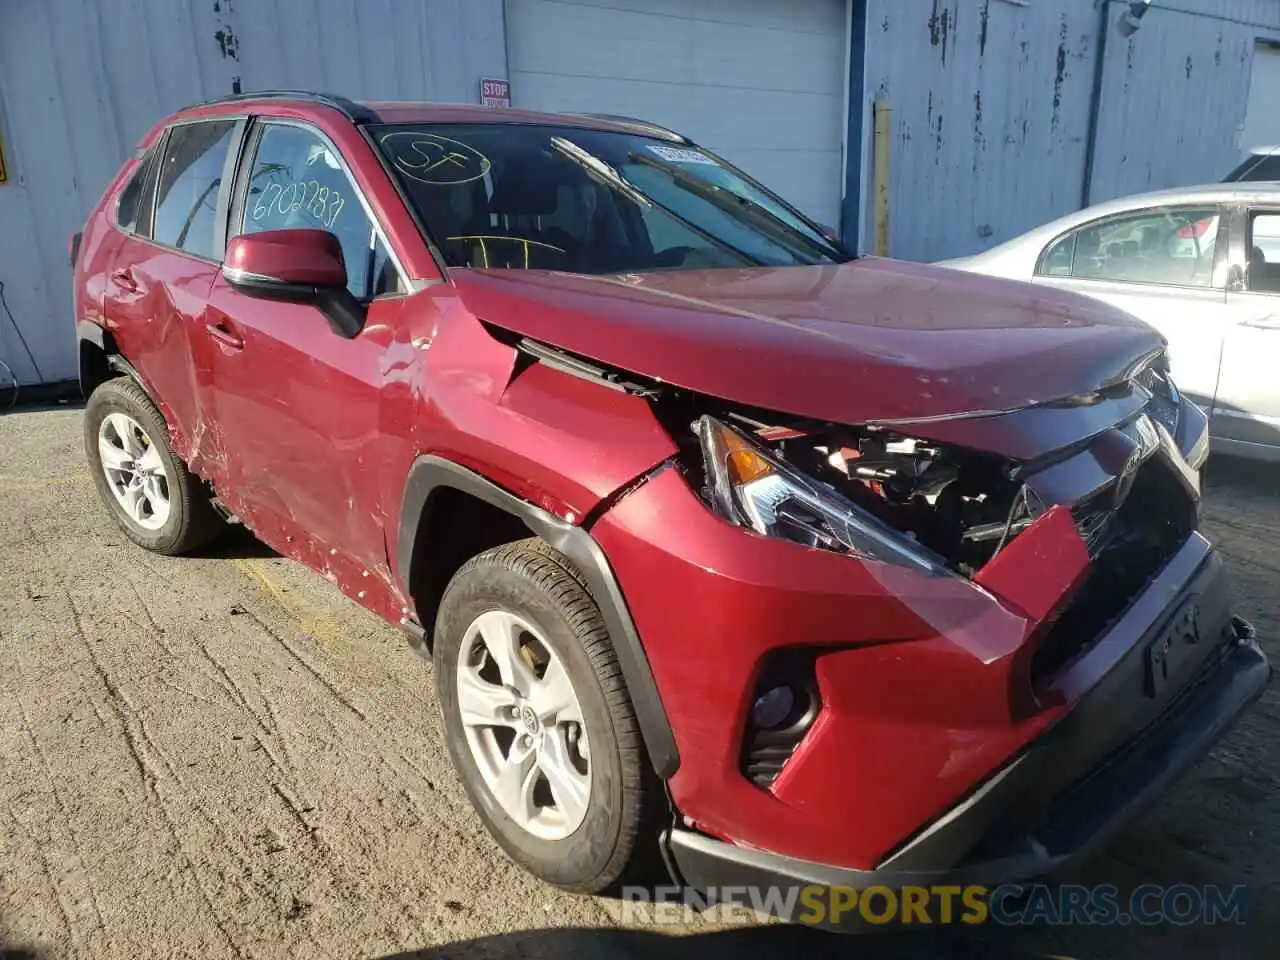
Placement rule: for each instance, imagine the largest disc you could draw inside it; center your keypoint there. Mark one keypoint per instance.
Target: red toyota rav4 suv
(796, 566)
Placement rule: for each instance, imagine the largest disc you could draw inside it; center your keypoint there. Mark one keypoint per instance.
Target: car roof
(421, 111)
(1260, 191)
(1265, 191)
(404, 111)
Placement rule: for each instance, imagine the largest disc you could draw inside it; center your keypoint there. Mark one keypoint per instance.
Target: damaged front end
(881, 493)
(875, 495)
(967, 496)
(855, 623)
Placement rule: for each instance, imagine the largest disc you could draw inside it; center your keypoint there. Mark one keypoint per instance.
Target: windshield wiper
(605, 173)
(739, 207)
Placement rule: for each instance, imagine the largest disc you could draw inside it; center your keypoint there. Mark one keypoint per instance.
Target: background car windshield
(587, 201)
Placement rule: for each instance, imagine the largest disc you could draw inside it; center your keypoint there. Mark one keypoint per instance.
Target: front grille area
(1132, 547)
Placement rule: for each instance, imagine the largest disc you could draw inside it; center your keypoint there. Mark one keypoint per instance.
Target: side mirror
(1236, 279)
(295, 266)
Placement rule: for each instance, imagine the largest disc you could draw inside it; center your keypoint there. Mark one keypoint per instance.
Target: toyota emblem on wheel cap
(530, 719)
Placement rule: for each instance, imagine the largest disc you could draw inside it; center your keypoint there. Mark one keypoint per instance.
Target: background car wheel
(156, 500)
(538, 719)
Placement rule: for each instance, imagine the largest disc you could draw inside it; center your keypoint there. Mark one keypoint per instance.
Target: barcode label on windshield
(681, 155)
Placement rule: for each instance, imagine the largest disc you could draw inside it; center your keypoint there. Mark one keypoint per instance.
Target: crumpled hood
(872, 340)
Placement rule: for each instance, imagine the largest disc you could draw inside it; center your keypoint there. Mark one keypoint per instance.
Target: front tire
(158, 503)
(538, 720)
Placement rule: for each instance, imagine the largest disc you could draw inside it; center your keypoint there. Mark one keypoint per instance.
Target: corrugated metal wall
(82, 80)
(1175, 93)
(992, 103)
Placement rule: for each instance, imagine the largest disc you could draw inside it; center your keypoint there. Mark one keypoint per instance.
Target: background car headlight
(1198, 452)
(754, 488)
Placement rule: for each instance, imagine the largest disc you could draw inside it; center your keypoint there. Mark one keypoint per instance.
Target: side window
(130, 202)
(1264, 252)
(298, 181)
(1056, 261)
(187, 189)
(1165, 246)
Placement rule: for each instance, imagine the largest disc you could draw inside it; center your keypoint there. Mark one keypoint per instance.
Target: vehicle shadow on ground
(236, 543)
(615, 944)
(1149, 853)
(986, 943)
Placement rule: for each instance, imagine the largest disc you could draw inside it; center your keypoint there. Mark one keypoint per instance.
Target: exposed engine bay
(879, 492)
(958, 504)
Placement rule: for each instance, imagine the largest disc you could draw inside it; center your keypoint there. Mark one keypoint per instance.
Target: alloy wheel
(135, 471)
(523, 724)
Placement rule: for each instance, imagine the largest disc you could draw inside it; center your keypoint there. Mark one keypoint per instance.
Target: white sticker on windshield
(680, 155)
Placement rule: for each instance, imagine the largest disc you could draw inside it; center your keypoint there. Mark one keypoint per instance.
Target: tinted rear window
(131, 196)
(190, 179)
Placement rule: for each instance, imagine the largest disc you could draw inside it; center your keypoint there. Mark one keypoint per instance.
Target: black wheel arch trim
(87, 332)
(90, 333)
(430, 473)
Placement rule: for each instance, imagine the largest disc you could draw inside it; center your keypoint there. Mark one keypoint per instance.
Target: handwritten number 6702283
(309, 196)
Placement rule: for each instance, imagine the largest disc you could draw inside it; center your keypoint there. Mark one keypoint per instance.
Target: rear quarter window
(130, 201)
(188, 186)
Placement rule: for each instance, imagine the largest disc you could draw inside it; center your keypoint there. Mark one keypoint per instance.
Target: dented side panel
(296, 426)
(157, 324)
(561, 443)
(452, 390)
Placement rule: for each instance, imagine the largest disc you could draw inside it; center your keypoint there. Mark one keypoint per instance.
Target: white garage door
(1262, 118)
(761, 82)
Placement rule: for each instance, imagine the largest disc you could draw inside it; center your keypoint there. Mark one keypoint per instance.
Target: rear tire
(584, 805)
(158, 503)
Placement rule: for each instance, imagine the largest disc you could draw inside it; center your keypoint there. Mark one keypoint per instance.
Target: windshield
(588, 201)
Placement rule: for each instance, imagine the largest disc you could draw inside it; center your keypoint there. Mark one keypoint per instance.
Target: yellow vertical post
(883, 134)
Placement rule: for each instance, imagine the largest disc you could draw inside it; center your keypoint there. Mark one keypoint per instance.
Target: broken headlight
(752, 487)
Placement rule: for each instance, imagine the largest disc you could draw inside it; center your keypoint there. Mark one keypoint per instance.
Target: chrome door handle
(225, 335)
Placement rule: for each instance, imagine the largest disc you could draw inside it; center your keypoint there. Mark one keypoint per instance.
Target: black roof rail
(645, 124)
(353, 111)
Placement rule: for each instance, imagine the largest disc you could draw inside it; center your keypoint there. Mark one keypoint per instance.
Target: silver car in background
(1202, 266)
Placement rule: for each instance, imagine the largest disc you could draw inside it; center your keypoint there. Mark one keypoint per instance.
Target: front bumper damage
(983, 730)
(1116, 752)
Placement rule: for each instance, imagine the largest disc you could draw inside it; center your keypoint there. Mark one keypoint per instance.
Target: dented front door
(296, 403)
(297, 416)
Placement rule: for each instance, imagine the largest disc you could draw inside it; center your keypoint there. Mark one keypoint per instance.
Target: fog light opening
(774, 709)
(783, 706)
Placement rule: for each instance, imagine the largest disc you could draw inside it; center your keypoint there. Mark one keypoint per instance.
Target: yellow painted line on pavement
(311, 621)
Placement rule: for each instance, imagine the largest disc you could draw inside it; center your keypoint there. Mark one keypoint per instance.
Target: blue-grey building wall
(995, 103)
